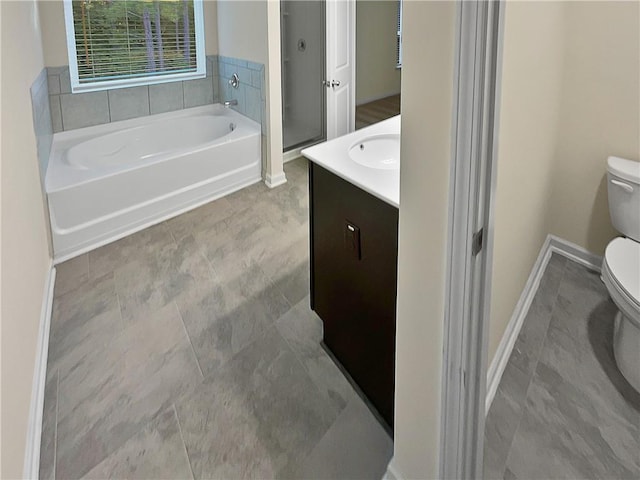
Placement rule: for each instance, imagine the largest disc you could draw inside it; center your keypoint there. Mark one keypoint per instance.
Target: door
(340, 75)
(302, 26)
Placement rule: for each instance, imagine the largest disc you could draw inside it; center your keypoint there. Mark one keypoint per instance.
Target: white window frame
(77, 87)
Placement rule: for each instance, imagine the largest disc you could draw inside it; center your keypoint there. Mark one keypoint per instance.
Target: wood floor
(376, 111)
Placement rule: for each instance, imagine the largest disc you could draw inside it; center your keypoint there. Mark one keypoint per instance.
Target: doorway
(378, 60)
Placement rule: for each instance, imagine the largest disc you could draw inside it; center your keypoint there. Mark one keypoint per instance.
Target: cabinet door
(354, 282)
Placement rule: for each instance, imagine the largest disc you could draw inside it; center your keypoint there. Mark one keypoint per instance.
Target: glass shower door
(302, 30)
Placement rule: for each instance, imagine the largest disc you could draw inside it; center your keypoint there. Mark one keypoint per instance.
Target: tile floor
(563, 410)
(188, 350)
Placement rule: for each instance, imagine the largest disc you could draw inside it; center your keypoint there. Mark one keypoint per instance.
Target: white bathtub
(107, 181)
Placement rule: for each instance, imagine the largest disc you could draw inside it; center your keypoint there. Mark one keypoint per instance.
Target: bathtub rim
(62, 141)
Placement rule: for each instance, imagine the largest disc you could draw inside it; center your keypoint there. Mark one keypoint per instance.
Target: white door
(341, 67)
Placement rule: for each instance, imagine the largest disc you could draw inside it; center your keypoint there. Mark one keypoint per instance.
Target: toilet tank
(623, 186)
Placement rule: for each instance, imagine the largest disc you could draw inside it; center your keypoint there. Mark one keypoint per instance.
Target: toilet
(621, 264)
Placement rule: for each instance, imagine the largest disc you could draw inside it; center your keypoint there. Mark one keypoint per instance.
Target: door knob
(331, 83)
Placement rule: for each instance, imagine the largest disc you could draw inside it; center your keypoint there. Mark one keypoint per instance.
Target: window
(399, 37)
(123, 43)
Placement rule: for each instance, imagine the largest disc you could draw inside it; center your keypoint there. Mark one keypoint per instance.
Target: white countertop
(334, 156)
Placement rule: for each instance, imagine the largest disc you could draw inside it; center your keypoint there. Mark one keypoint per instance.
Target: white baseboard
(501, 357)
(273, 181)
(36, 410)
(375, 97)
(392, 472)
(576, 253)
(552, 244)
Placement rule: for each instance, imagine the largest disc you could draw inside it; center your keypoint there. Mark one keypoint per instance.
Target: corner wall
(600, 116)
(570, 98)
(25, 251)
(427, 103)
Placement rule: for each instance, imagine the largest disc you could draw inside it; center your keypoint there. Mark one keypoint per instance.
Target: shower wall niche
(302, 30)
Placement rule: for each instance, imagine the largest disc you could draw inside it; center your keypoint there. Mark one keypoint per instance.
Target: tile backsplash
(251, 89)
(70, 111)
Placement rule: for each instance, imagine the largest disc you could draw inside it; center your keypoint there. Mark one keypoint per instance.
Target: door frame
(472, 192)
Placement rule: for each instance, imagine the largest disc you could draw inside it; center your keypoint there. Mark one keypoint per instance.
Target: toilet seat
(621, 274)
(623, 259)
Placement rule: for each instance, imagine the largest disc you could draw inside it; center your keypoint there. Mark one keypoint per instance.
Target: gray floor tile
(146, 243)
(562, 435)
(153, 281)
(297, 170)
(202, 218)
(266, 405)
(69, 348)
(83, 314)
(288, 269)
(230, 316)
(582, 285)
(235, 243)
(118, 390)
(534, 329)
(509, 475)
(157, 451)
(580, 418)
(49, 422)
(292, 202)
(302, 330)
(503, 419)
(71, 274)
(185, 313)
(358, 446)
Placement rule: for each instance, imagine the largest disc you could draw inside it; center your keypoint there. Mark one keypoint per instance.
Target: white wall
(570, 97)
(529, 118)
(55, 41)
(25, 257)
(376, 72)
(242, 29)
(600, 116)
(427, 81)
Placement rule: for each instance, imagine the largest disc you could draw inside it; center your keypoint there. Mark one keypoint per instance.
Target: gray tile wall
(71, 111)
(251, 90)
(42, 120)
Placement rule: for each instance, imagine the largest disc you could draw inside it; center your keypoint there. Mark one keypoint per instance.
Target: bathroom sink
(380, 151)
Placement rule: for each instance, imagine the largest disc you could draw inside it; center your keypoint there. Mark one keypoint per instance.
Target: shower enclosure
(302, 30)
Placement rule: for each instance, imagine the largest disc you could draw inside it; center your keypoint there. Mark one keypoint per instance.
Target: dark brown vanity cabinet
(354, 251)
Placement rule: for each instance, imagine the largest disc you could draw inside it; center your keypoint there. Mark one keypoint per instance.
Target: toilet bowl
(621, 264)
(621, 275)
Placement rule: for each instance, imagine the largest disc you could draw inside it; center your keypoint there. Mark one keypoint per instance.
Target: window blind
(133, 39)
